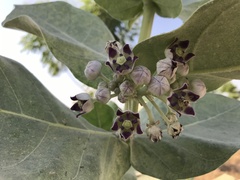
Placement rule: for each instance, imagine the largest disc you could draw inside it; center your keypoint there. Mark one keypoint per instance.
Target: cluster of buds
(131, 83)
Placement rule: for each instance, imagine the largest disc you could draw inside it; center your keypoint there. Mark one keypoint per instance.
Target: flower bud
(141, 75)
(102, 84)
(84, 104)
(122, 98)
(166, 67)
(182, 69)
(158, 85)
(103, 95)
(174, 129)
(92, 70)
(112, 85)
(127, 88)
(198, 87)
(154, 132)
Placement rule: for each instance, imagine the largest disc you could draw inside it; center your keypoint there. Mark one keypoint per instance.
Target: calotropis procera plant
(162, 81)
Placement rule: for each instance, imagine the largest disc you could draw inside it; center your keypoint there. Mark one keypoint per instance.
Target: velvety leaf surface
(101, 116)
(212, 31)
(130, 9)
(169, 9)
(189, 6)
(42, 139)
(208, 140)
(73, 35)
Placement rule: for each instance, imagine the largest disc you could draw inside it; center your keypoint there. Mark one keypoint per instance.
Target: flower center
(179, 52)
(127, 124)
(121, 60)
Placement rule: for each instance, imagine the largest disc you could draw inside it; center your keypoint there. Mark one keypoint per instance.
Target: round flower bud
(174, 129)
(102, 84)
(127, 88)
(103, 95)
(141, 75)
(122, 98)
(154, 132)
(158, 85)
(198, 87)
(182, 69)
(92, 70)
(112, 85)
(166, 67)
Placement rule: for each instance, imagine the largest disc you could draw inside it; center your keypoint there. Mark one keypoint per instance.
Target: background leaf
(42, 139)
(101, 116)
(207, 141)
(212, 31)
(73, 35)
(130, 9)
(189, 6)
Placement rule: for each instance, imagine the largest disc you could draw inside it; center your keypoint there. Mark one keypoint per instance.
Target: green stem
(148, 16)
(104, 77)
(166, 120)
(149, 113)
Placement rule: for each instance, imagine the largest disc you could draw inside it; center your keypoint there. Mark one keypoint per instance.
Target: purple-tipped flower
(141, 75)
(158, 85)
(154, 132)
(180, 100)
(198, 87)
(127, 122)
(92, 70)
(178, 50)
(84, 103)
(121, 59)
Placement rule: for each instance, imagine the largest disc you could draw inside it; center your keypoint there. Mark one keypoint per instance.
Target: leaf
(101, 116)
(73, 35)
(207, 141)
(42, 139)
(122, 10)
(211, 31)
(169, 9)
(189, 6)
(130, 9)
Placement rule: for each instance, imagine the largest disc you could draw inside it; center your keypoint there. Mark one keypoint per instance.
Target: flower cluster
(130, 83)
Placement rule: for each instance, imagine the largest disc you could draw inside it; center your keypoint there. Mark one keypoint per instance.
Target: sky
(63, 85)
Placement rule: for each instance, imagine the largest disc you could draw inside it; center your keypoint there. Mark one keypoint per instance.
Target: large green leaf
(189, 6)
(73, 35)
(130, 9)
(212, 31)
(207, 141)
(42, 139)
(101, 116)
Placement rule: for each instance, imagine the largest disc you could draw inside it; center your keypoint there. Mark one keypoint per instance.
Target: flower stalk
(148, 111)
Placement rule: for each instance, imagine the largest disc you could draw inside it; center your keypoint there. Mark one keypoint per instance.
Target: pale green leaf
(73, 35)
(207, 141)
(101, 116)
(167, 8)
(212, 31)
(189, 6)
(42, 139)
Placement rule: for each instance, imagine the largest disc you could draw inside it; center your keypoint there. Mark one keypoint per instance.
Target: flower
(121, 59)
(181, 98)
(174, 129)
(166, 67)
(154, 132)
(158, 85)
(103, 94)
(92, 70)
(84, 104)
(127, 122)
(141, 75)
(178, 48)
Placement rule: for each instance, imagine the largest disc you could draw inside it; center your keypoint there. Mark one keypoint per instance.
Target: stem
(166, 120)
(149, 113)
(104, 77)
(148, 16)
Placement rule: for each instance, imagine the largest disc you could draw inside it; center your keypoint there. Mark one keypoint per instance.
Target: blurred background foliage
(120, 31)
